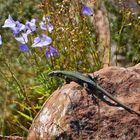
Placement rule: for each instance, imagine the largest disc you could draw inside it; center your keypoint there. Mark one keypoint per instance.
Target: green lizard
(91, 85)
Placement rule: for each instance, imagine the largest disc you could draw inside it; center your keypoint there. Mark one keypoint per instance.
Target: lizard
(91, 85)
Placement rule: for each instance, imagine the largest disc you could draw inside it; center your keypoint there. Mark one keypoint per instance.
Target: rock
(70, 113)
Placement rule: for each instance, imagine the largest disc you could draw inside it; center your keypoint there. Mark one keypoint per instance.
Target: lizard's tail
(118, 102)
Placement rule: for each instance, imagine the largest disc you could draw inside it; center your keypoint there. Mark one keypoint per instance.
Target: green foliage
(75, 35)
(25, 74)
(125, 31)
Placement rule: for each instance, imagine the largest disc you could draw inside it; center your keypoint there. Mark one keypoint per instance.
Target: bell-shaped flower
(18, 28)
(0, 40)
(50, 27)
(9, 23)
(51, 52)
(43, 25)
(48, 18)
(23, 38)
(87, 11)
(24, 48)
(15, 26)
(41, 41)
(31, 26)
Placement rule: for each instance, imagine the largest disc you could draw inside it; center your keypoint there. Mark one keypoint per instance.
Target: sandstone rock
(71, 114)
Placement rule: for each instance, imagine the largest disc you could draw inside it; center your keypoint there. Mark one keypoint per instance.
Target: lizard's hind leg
(108, 102)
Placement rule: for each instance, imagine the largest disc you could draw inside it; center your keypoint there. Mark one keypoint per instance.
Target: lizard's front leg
(92, 96)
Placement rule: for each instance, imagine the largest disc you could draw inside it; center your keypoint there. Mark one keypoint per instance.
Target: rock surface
(71, 114)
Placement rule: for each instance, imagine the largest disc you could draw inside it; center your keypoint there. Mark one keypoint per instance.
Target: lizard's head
(55, 73)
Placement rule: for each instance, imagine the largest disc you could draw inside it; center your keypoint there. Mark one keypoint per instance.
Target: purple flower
(51, 52)
(31, 26)
(49, 18)
(87, 11)
(18, 28)
(24, 48)
(50, 27)
(0, 40)
(43, 25)
(23, 38)
(15, 26)
(9, 23)
(41, 41)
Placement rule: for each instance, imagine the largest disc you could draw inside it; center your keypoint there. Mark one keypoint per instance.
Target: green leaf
(25, 116)
(39, 89)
